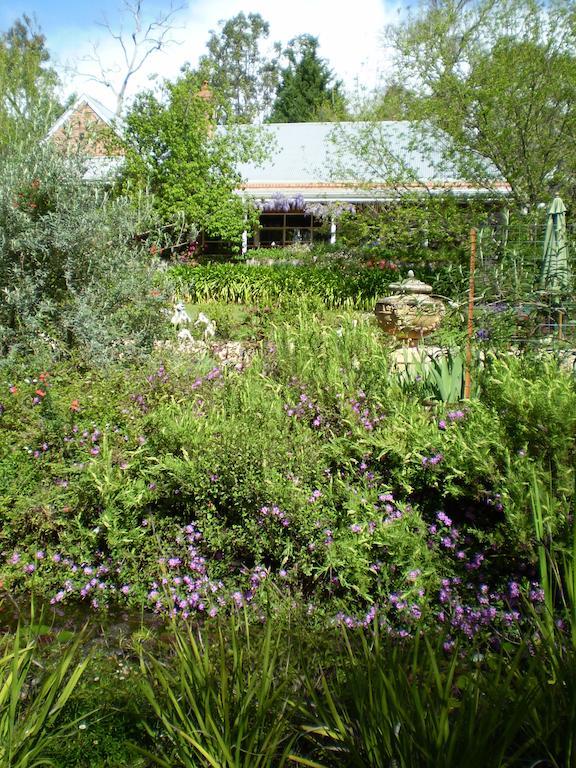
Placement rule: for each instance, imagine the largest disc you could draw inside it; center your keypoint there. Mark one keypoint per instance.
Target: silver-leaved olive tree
(74, 273)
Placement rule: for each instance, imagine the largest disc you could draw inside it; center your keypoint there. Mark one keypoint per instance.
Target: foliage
(31, 708)
(420, 227)
(409, 705)
(439, 378)
(306, 91)
(536, 406)
(333, 287)
(235, 68)
(223, 702)
(27, 84)
(175, 153)
(495, 82)
(334, 495)
(72, 274)
(309, 483)
(388, 102)
(553, 717)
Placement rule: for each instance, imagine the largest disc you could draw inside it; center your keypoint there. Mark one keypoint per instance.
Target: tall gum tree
(238, 67)
(28, 83)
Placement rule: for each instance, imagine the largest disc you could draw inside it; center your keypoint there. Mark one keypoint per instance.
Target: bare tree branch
(137, 42)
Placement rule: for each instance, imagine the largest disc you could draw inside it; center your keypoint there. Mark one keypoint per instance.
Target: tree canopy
(175, 151)
(27, 82)
(495, 80)
(307, 89)
(235, 67)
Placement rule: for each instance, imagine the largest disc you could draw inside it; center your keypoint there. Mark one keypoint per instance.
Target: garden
(278, 538)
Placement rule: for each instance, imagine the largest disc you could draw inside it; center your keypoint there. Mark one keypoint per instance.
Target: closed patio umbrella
(555, 276)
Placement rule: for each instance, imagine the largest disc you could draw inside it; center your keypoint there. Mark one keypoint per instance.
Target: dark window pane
(272, 220)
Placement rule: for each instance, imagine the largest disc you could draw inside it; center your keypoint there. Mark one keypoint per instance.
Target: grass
(32, 700)
(223, 701)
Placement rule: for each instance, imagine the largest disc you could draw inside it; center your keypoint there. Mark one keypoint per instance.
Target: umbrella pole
(467, 375)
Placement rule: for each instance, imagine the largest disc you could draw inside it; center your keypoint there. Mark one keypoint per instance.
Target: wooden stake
(470, 330)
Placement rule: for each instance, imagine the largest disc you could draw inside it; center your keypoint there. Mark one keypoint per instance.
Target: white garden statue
(209, 326)
(185, 337)
(180, 316)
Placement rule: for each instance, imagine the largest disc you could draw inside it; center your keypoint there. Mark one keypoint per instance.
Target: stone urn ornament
(411, 312)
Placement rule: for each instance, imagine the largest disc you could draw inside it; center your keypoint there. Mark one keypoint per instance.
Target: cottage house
(314, 171)
(317, 169)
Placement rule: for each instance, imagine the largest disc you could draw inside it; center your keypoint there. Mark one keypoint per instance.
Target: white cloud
(349, 35)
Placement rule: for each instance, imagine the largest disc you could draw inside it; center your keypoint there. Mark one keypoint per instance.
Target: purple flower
(415, 611)
(442, 517)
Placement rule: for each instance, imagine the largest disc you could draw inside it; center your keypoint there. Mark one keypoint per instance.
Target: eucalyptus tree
(238, 67)
(28, 83)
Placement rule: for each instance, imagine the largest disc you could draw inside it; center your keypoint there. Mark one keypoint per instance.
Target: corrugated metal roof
(322, 152)
(351, 160)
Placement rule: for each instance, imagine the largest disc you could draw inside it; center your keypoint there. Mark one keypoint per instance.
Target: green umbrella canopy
(555, 276)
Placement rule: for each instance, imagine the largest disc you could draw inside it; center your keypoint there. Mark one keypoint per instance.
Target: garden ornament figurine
(180, 316)
(209, 326)
(184, 336)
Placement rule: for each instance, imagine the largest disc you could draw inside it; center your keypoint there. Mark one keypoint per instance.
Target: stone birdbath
(411, 312)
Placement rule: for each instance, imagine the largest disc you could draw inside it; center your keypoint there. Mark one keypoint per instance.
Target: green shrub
(30, 708)
(223, 701)
(410, 705)
(72, 274)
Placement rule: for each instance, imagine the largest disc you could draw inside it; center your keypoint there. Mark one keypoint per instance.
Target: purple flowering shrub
(308, 475)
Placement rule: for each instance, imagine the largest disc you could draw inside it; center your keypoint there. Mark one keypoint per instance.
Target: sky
(349, 35)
